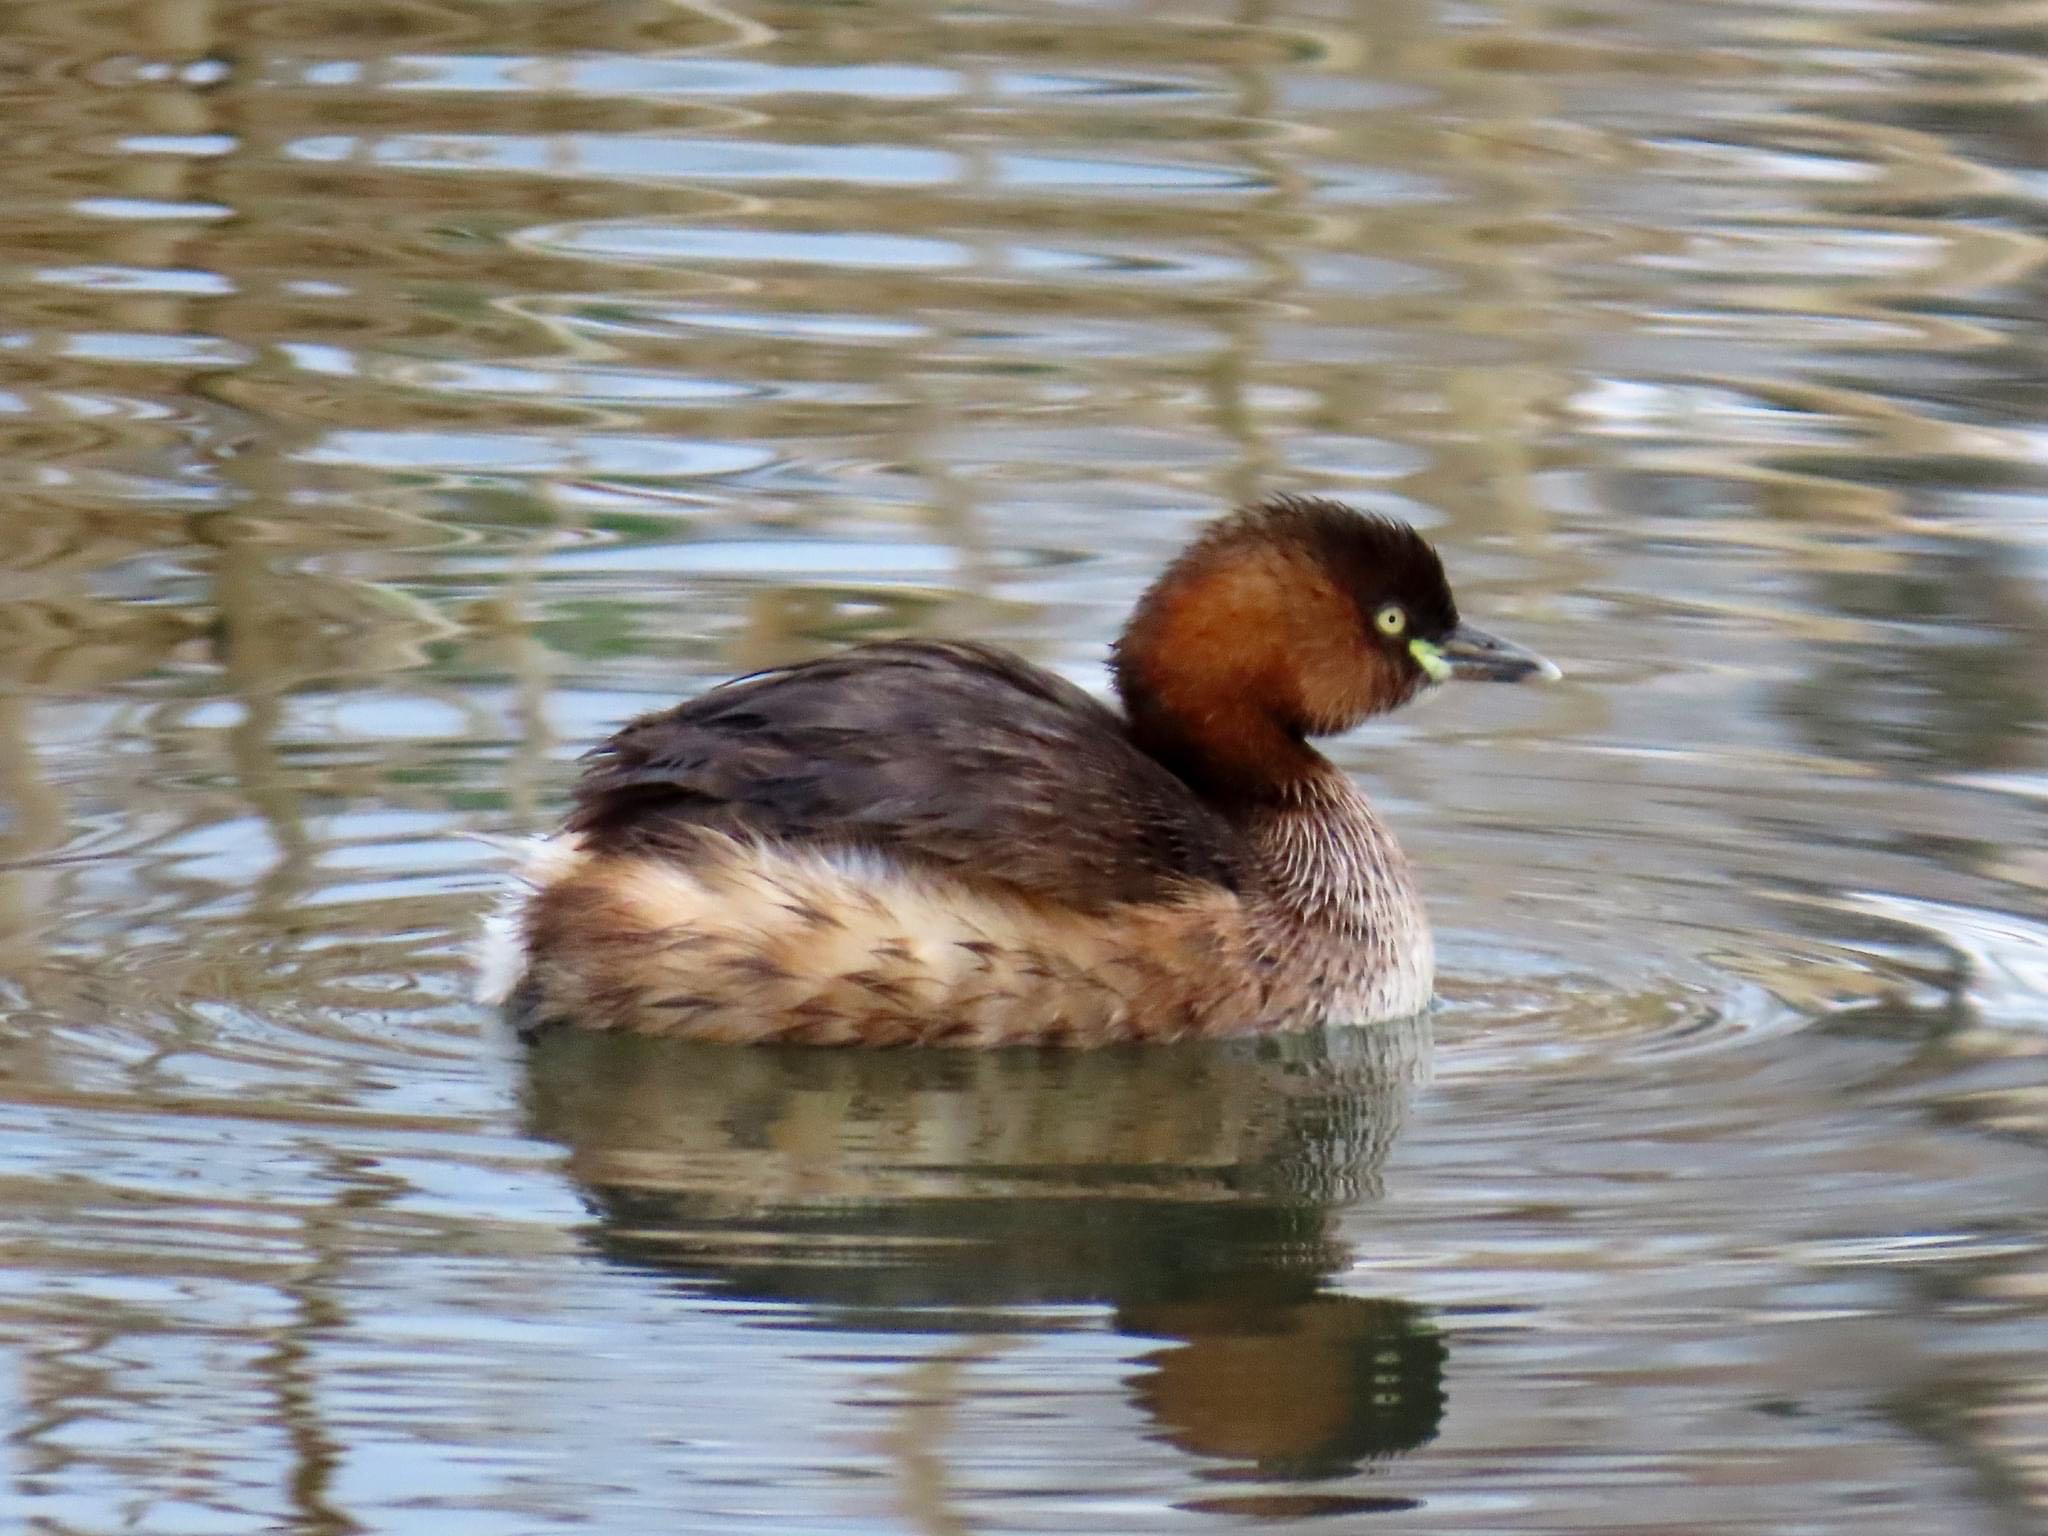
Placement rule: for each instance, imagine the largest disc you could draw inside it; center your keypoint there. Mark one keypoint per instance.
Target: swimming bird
(936, 842)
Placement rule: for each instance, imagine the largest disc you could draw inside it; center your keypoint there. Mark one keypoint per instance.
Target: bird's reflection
(1187, 1188)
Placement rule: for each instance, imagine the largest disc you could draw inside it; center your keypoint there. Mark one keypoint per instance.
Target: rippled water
(394, 395)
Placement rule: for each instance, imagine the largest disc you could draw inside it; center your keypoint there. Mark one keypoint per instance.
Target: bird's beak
(1472, 653)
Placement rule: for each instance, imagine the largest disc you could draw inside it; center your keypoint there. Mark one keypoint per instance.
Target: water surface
(393, 396)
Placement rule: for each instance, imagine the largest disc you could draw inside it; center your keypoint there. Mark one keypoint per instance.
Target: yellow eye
(1391, 620)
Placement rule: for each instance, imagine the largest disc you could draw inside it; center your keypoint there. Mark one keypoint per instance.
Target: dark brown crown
(1370, 557)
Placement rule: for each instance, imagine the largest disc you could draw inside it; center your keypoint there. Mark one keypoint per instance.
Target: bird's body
(937, 842)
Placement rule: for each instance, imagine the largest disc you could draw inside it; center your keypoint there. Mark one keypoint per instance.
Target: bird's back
(947, 758)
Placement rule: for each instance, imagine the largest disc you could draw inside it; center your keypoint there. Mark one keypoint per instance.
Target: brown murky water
(394, 395)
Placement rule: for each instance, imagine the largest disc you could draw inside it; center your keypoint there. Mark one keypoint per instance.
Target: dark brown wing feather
(955, 756)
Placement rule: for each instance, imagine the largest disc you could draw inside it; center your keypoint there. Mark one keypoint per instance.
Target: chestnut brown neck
(1234, 755)
(1213, 671)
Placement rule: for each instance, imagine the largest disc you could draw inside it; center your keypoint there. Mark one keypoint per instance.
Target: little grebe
(924, 841)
